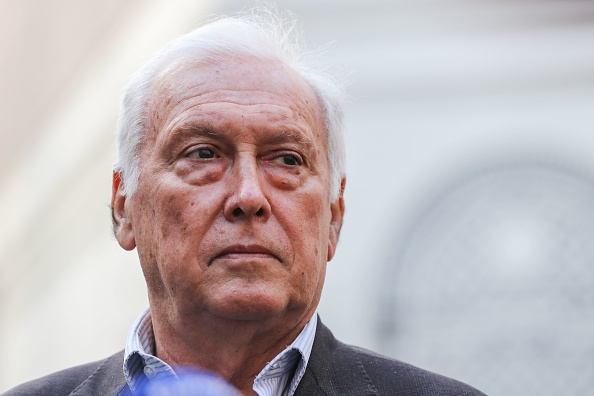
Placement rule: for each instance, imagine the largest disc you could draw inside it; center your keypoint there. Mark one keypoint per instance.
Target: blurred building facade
(470, 190)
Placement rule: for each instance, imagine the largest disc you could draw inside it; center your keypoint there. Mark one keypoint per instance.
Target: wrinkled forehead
(245, 76)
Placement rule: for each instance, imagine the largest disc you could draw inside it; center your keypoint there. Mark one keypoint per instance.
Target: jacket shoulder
(61, 383)
(392, 376)
(335, 368)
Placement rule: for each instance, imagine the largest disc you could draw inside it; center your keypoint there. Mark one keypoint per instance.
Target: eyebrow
(289, 136)
(283, 136)
(193, 130)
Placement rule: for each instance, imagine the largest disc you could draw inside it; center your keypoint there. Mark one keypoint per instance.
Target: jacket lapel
(333, 369)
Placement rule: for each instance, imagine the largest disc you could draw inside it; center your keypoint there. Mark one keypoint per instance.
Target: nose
(247, 198)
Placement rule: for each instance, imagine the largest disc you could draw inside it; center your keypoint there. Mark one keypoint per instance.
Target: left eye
(202, 153)
(288, 159)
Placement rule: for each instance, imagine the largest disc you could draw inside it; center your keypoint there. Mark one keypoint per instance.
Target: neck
(237, 350)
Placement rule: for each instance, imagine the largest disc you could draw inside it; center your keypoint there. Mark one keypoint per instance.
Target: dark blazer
(334, 368)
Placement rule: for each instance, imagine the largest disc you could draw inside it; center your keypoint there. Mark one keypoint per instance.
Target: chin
(250, 306)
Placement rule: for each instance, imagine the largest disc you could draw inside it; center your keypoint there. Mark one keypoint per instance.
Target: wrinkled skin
(232, 218)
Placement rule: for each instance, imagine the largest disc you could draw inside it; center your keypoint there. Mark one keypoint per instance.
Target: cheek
(171, 221)
(310, 246)
(162, 216)
(307, 224)
(166, 230)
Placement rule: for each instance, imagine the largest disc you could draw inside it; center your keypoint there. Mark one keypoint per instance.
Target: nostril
(260, 212)
(237, 212)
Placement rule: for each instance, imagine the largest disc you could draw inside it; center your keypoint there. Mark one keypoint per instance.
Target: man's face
(232, 214)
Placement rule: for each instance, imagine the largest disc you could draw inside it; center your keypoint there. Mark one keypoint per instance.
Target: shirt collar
(140, 363)
(280, 376)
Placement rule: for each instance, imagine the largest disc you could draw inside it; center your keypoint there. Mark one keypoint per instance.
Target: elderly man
(230, 185)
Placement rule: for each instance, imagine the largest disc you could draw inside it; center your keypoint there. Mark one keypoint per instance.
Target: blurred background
(470, 198)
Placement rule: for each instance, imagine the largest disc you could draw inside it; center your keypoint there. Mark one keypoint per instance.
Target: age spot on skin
(171, 211)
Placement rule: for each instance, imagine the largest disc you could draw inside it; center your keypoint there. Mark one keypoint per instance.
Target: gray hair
(263, 36)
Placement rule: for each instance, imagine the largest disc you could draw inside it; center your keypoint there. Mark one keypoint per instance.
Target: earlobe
(122, 228)
(337, 211)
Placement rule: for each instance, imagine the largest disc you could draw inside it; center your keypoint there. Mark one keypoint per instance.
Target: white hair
(264, 36)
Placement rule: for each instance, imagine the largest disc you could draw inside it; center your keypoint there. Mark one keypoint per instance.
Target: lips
(240, 252)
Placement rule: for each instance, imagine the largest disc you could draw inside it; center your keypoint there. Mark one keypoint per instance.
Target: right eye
(201, 153)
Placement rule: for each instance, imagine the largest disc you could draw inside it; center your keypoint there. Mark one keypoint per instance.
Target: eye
(202, 153)
(288, 159)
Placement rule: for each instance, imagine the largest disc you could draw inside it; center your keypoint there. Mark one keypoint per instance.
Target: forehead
(241, 83)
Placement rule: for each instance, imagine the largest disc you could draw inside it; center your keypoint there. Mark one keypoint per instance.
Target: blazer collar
(333, 369)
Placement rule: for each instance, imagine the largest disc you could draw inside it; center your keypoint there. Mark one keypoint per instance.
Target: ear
(122, 228)
(337, 211)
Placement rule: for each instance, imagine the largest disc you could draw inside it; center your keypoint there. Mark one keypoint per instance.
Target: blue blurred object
(192, 382)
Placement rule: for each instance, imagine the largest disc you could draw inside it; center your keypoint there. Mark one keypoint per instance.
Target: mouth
(244, 252)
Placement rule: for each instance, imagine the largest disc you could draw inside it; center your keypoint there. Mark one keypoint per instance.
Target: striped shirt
(280, 377)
